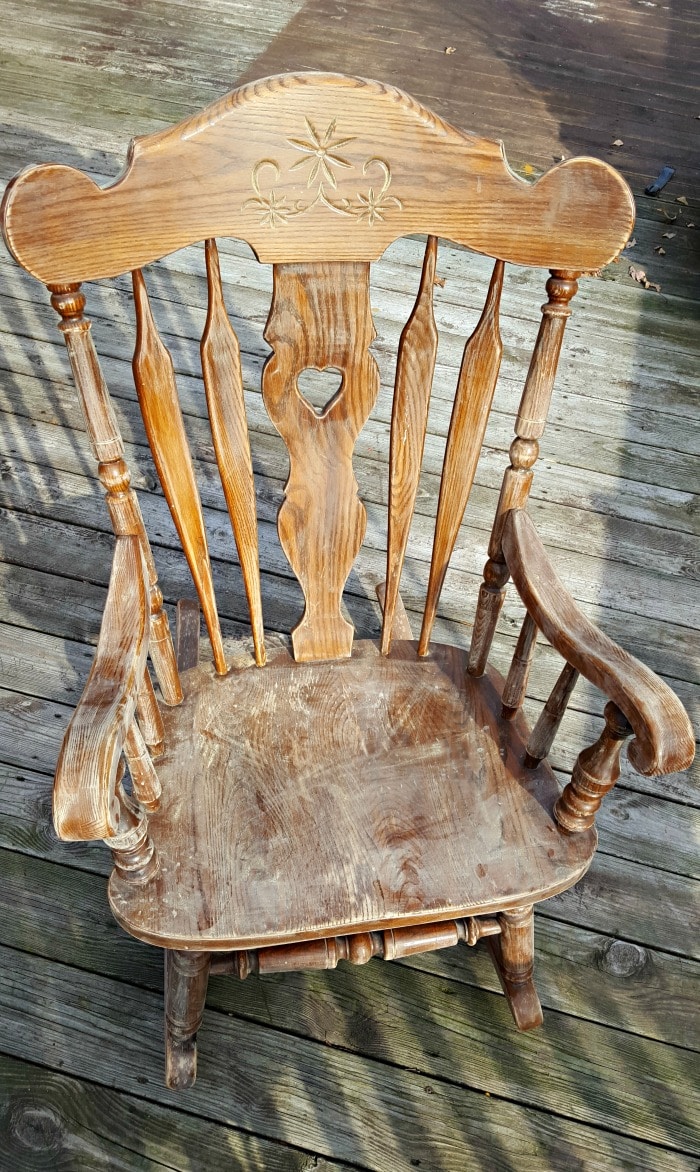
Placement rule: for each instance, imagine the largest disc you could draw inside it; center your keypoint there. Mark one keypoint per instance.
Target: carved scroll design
(475, 389)
(320, 153)
(415, 367)
(160, 407)
(223, 381)
(320, 317)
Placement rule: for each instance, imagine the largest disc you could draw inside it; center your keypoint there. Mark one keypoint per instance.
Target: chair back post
(524, 450)
(108, 449)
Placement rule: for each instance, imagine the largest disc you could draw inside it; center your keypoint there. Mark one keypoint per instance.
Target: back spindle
(516, 681)
(149, 717)
(517, 479)
(551, 716)
(143, 775)
(223, 382)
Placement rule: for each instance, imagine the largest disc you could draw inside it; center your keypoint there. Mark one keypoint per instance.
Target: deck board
(415, 1064)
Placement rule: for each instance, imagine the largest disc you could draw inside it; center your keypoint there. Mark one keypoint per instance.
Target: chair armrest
(663, 736)
(85, 804)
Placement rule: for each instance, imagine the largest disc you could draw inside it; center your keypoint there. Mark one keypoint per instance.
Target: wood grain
(223, 380)
(155, 383)
(663, 740)
(85, 805)
(320, 317)
(311, 168)
(67, 1124)
(470, 413)
(415, 366)
(333, 798)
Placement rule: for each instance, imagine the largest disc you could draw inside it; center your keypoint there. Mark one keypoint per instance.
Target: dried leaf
(667, 216)
(682, 199)
(528, 169)
(450, 49)
(641, 278)
(661, 251)
(631, 243)
(668, 235)
(617, 142)
(690, 225)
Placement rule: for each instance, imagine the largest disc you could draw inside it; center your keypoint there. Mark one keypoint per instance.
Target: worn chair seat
(344, 796)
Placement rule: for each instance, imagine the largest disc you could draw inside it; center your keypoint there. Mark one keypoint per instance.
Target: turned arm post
(529, 426)
(132, 850)
(108, 449)
(595, 773)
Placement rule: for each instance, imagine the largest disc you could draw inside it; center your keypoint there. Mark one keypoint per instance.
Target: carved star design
(320, 152)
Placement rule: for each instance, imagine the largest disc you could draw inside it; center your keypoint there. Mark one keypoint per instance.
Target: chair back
(318, 173)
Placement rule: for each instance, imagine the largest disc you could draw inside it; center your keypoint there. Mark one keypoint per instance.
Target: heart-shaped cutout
(319, 388)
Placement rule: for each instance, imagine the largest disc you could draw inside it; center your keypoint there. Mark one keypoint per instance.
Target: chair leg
(186, 979)
(513, 955)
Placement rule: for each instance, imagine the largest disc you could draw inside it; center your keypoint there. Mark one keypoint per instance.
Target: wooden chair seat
(339, 797)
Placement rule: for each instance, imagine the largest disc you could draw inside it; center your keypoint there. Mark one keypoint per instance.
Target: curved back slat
(223, 380)
(470, 413)
(415, 366)
(160, 407)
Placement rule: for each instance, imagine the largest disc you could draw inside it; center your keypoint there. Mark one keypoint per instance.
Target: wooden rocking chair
(341, 800)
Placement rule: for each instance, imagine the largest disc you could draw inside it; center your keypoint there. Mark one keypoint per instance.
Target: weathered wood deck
(411, 1065)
